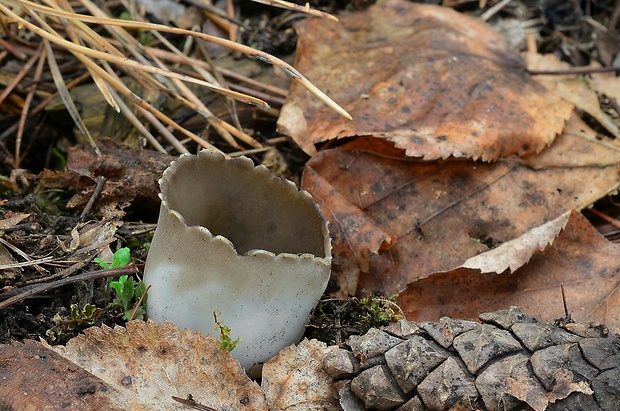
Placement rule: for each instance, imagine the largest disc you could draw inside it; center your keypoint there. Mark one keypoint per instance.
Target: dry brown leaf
(434, 216)
(93, 233)
(34, 377)
(515, 253)
(580, 258)
(606, 83)
(130, 177)
(152, 363)
(12, 220)
(572, 88)
(577, 146)
(433, 81)
(7, 275)
(295, 380)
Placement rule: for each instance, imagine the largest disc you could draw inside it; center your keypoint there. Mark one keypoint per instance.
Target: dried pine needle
(88, 46)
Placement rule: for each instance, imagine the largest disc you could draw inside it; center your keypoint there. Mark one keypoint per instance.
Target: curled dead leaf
(580, 259)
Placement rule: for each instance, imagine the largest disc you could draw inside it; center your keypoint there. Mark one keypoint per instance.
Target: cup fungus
(234, 239)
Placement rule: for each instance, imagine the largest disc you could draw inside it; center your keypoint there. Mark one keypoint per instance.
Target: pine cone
(508, 362)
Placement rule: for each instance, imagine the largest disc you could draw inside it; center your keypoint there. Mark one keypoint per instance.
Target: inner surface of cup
(246, 205)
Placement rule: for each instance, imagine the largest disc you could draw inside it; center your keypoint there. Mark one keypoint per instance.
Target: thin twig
(43, 288)
(63, 273)
(218, 12)
(100, 181)
(27, 263)
(576, 70)
(292, 6)
(19, 252)
(13, 50)
(566, 314)
(192, 404)
(493, 10)
(605, 217)
(139, 303)
(169, 56)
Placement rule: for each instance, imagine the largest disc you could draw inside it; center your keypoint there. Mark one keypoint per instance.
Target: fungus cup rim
(265, 174)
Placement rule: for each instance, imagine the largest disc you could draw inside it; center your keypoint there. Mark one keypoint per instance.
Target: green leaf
(128, 293)
(119, 285)
(139, 315)
(226, 343)
(124, 289)
(102, 263)
(121, 257)
(89, 311)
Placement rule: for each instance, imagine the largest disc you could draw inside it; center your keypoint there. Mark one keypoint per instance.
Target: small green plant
(77, 319)
(143, 36)
(128, 292)
(120, 259)
(226, 343)
(62, 159)
(47, 202)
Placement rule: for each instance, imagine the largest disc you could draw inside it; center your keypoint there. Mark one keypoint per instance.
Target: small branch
(100, 180)
(43, 288)
(576, 70)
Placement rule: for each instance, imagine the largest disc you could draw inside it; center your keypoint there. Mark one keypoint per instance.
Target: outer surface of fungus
(233, 238)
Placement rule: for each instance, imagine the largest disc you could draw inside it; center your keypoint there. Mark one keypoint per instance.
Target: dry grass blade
(292, 6)
(41, 106)
(140, 77)
(115, 82)
(168, 56)
(66, 97)
(121, 61)
(131, 117)
(249, 51)
(27, 263)
(19, 77)
(225, 132)
(144, 67)
(97, 72)
(107, 93)
(41, 53)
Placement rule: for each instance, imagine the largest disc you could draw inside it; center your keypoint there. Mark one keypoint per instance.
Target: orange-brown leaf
(580, 258)
(33, 376)
(433, 81)
(439, 214)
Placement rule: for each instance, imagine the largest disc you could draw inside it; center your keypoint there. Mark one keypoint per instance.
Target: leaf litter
(426, 83)
(137, 367)
(435, 215)
(462, 209)
(580, 260)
